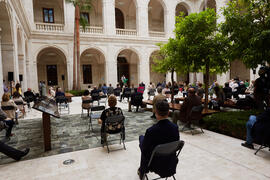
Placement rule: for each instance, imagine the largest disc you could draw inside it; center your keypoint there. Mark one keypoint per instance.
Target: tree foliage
(247, 24)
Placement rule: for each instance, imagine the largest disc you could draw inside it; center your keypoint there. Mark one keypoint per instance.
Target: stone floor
(70, 133)
(207, 156)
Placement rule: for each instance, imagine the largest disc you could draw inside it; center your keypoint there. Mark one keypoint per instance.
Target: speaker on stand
(63, 79)
(10, 79)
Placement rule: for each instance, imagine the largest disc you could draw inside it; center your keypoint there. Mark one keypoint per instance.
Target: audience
(18, 100)
(162, 132)
(110, 90)
(200, 90)
(104, 89)
(218, 101)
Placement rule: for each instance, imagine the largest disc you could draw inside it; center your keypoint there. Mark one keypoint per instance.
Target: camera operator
(258, 128)
(262, 87)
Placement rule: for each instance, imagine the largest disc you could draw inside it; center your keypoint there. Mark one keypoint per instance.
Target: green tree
(197, 47)
(80, 6)
(247, 25)
(165, 60)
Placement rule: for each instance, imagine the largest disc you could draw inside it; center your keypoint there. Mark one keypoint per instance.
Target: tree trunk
(206, 82)
(77, 19)
(74, 87)
(172, 79)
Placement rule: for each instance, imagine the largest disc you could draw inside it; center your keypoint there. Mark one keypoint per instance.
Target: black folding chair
(62, 103)
(103, 99)
(95, 113)
(10, 108)
(117, 92)
(194, 119)
(95, 97)
(88, 109)
(166, 150)
(115, 125)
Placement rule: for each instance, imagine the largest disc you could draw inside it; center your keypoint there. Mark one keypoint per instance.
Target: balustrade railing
(45, 27)
(92, 30)
(126, 32)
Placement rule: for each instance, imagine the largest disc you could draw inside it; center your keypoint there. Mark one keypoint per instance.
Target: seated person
(5, 124)
(117, 91)
(136, 100)
(256, 127)
(157, 97)
(141, 88)
(162, 132)
(104, 89)
(51, 92)
(215, 103)
(110, 90)
(200, 90)
(250, 88)
(95, 94)
(227, 91)
(6, 101)
(126, 93)
(112, 110)
(189, 102)
(59, 95)
(86, 97)
(166, 91)
(12, 152)
(19, 102)
(29, 97)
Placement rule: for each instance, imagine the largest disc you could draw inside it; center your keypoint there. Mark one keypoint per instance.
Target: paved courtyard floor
(204, 156)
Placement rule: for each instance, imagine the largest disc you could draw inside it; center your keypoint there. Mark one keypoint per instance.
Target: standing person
(227, 91)
(5, 88)
(43, 89)
(19, 102)
(162, 132)
(123, 80)
(40, 88)
(18, 88)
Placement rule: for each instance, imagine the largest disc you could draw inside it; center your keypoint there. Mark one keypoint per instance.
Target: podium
(49, 108)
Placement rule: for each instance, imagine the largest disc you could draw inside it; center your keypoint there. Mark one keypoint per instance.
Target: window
(48, 15)
(87, 74)
(85, 15)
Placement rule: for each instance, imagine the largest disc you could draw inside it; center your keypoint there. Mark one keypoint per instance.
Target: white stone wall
(21, 56)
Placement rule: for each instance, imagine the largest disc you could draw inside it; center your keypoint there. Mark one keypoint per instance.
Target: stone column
(111, 66)
(109, 17)
(142, 18)
(223, 78)
(25, 79)
(168, 77)
(169, 19)
(15, 49)
(144, 69)
(1, 68)
(199, 77)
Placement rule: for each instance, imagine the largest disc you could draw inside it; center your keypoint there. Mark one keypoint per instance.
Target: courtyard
(204, 156)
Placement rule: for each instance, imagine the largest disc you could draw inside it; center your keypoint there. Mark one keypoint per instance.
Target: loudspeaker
(21, 77)
(10, 76)
(63, 77)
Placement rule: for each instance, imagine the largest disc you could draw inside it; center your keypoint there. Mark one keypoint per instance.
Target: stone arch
(52, 67)
(156, 15)
(184, 7)
(96, 14)
(7, 43)
(128, 64)
(49, 46)
(208, 4)
(93, 67)
(129, 10)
